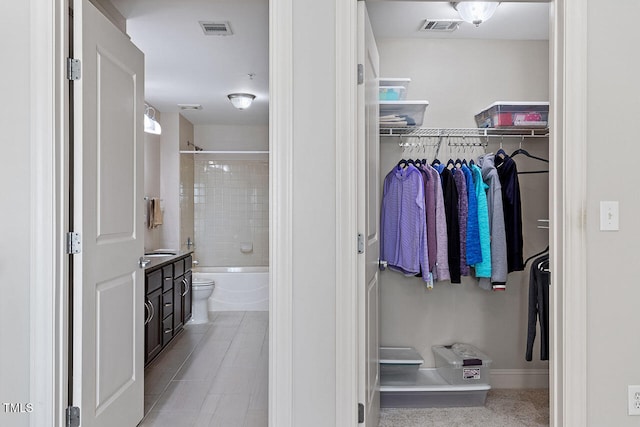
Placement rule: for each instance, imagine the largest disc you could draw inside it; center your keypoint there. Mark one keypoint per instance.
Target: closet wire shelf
(465, 132)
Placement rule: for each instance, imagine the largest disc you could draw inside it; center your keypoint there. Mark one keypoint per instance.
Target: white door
(368, 223)
(108, 283)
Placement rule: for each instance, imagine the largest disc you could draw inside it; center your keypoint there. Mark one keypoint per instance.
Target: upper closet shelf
(464, 132)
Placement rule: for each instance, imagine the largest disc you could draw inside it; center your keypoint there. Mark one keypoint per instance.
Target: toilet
(202, 289)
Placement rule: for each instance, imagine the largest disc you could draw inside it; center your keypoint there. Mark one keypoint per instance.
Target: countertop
(160, 261)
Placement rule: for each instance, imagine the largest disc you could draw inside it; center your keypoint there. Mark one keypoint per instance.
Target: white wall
(612, 257)
(185, 200)
(152, 174)
(15, 171)
(176, 131)
(232, 137)
(459, 78)
(313, 212)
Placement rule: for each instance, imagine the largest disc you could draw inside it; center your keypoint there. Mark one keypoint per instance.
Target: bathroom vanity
(167, 300)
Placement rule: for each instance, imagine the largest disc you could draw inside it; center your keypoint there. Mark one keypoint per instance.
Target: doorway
(207, 170)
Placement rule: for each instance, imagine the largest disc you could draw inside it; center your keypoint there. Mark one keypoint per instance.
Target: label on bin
(470, 374)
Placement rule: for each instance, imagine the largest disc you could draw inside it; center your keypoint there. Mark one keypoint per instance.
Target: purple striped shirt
(403, 229)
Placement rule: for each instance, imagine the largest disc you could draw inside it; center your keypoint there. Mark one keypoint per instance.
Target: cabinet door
(178, 287)
(186, 298)
(153, 327)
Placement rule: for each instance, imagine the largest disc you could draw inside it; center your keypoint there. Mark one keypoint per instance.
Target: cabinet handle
(147, 313)
(153, 310)
(168, 331)
(168, 278)
(185, 282)
(168, 304)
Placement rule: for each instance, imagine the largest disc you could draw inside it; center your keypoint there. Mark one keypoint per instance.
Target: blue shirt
(474, 252)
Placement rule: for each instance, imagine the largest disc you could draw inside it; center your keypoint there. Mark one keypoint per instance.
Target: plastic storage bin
(429, 390)
(392, 93)
(400, 361)
(395, 81)
(462, 364)
(402, 113)
(514, 114)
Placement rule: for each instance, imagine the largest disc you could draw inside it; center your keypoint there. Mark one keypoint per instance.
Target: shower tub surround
(231, 211)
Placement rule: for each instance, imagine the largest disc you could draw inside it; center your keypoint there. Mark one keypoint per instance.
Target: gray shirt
(496, 224)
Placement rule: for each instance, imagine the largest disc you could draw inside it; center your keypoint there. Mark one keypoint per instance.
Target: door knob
(143, 262)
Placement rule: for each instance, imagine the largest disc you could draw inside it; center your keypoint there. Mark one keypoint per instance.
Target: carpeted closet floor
(503, 408)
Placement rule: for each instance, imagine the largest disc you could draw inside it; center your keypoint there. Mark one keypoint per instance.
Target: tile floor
(212, 375)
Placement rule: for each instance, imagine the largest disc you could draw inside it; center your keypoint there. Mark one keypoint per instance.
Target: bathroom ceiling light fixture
(475, 12)
(241, 101)
(151, 125)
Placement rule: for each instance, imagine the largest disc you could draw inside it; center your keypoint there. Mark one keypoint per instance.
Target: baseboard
(519, 378)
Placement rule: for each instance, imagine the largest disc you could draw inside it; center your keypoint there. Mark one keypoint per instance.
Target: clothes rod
(223, 152)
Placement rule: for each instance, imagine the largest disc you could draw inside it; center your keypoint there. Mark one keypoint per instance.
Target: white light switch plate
(609, 216)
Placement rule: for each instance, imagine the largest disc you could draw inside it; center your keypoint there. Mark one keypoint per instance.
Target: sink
(161, 253)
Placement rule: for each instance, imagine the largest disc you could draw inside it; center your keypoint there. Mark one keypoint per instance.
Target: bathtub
(237, 288)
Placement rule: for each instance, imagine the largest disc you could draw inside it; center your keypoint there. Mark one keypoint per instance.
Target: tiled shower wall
(231, 212)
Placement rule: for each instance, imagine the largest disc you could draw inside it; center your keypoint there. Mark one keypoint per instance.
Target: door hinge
(360, 243)
(360, 74)
(73, 416)
(74, 243)
(360, 413)
(73, 69)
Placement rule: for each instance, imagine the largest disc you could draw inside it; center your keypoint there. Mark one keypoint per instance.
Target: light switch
(609, 216)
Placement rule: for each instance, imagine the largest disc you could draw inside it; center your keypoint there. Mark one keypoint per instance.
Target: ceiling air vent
(216, 28)
(440, 25)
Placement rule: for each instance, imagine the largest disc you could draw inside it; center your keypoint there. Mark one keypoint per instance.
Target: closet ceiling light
(241, 101)
(476, 12)
(151, 125)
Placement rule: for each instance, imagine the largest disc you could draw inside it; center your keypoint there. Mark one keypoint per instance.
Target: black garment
(450, 192)
(539, 280)
(508, 174)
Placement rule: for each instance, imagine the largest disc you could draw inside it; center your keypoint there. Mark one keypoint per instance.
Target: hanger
(450, 164)
(435, 162)
(543, 265)
(464, 162)
(526, 153)
(472, 162)
(536, 255)
(501, 153)
(403, 164)
(458, 163)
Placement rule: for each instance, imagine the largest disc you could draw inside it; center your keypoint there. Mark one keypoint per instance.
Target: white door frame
(49, 213)
(568, 367)
(568, 199)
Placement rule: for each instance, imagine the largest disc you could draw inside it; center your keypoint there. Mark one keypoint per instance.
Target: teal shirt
(483, 268)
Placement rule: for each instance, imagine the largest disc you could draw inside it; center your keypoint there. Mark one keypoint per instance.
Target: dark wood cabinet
(167, 303)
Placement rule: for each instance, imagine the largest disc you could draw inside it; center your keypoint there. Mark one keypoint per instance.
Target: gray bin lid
(400, 356)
